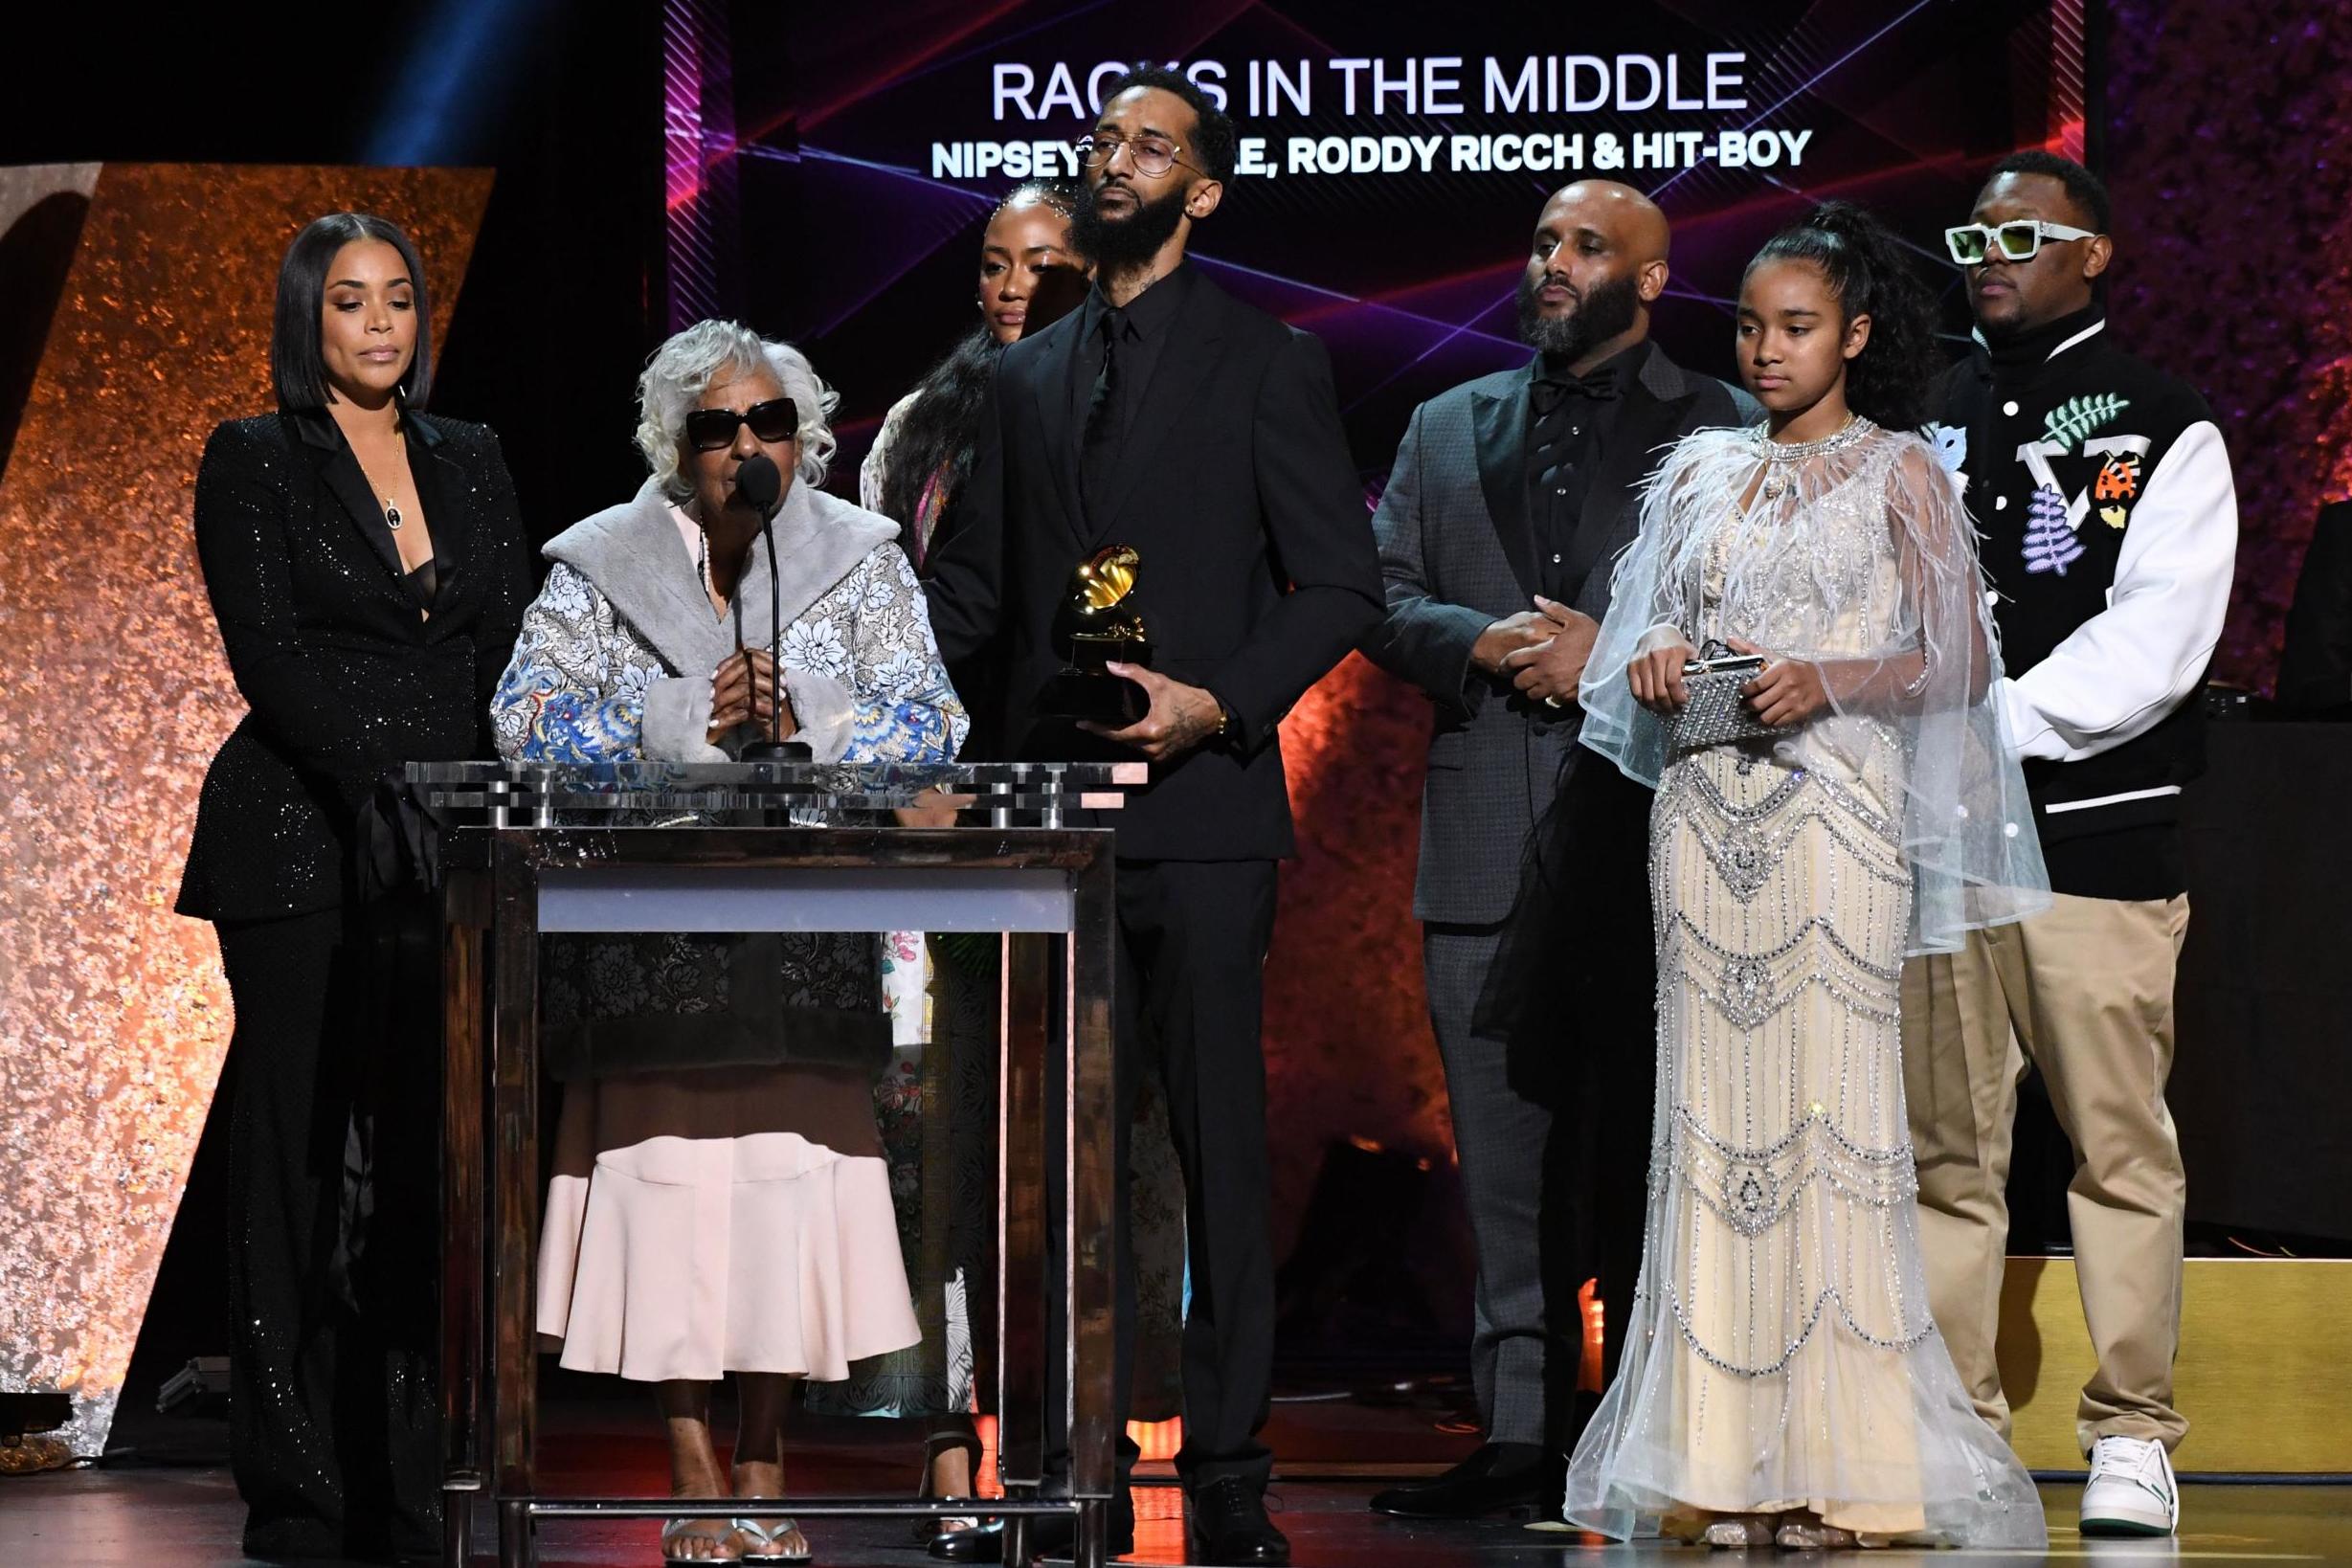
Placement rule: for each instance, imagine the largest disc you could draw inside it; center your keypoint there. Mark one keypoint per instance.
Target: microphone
(760, 486)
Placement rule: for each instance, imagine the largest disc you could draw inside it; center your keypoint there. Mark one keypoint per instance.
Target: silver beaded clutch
(1716, 714)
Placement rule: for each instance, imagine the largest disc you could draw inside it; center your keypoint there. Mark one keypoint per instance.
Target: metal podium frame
(1049, 889)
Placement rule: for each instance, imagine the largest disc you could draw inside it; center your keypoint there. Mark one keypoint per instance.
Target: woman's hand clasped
(1787, 693)
(1656, 677)
(743, 691)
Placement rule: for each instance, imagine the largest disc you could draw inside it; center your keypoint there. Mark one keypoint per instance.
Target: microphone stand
(775, 751)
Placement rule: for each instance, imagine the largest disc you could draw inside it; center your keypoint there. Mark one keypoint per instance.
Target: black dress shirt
(1569, 420)
(1144, 325)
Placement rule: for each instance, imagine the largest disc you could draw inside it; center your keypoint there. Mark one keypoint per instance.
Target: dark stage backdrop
(829, 174)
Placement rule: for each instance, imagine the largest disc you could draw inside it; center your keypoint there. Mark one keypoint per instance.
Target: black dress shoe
(1498, 1476)
(1051, 1536)
(986, 1544)
(1229, 1526)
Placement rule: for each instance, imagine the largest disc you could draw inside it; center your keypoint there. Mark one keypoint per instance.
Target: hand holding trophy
(1099, 625)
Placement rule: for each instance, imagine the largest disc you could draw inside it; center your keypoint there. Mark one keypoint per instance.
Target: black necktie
(1099, 451)
(1549, 391)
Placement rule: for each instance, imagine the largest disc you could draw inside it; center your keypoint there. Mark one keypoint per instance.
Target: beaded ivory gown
(1781, 1355)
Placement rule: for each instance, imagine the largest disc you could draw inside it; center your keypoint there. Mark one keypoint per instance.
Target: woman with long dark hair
(1029, 278)
(1849, 802)
(367, 566)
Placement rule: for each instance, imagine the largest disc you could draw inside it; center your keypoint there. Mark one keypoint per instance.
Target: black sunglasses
(775, 421)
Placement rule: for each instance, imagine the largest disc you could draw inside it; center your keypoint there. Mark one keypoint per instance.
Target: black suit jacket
(342, 678)
(2314, 673)
(1258, 573)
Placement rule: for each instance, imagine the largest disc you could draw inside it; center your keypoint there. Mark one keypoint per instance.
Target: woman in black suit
(368, 569)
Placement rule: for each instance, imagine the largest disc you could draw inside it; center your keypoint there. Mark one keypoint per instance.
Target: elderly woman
(719, 1201)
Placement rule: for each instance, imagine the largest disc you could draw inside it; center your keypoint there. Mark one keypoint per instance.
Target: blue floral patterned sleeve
(903, 706)
(564, 697)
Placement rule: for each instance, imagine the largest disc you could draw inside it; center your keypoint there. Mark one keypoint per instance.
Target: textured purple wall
(2229, 155)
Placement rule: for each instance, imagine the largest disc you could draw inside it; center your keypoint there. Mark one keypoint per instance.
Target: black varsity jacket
(2109, 528)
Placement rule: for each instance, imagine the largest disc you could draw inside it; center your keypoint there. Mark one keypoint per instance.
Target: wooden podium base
(2265, 1373)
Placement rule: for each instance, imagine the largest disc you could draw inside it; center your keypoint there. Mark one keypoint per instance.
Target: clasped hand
(1785, 692)
(1542, 652)
(743, 691)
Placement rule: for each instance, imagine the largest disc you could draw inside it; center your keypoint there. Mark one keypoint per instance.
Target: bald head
(1619, 211)
(1599, 262)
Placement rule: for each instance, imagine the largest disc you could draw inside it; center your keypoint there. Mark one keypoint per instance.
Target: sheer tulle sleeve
(1967, 828)
(1857, 555)
(1653, 599)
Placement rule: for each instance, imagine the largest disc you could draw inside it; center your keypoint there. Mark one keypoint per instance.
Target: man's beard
(1607, 310)
(1122, 244)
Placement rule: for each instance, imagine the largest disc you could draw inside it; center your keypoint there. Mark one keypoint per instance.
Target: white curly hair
(682, 368)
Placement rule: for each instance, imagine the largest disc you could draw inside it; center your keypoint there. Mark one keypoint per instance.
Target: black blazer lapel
(1502, 472)
(443, 490)
(1184, 363)
(1048, 373)
(341, 473)
(1645, 423)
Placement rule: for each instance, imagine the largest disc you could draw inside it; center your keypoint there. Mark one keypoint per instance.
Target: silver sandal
(763, 1536)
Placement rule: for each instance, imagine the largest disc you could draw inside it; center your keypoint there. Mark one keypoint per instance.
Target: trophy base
(1093, 697)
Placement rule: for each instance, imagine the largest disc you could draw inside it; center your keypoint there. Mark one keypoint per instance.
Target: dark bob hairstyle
(296, 369)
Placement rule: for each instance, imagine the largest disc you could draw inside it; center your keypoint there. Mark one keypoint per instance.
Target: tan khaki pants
(2082, 991)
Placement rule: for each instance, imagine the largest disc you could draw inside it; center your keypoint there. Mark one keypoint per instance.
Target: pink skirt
(725, 1220)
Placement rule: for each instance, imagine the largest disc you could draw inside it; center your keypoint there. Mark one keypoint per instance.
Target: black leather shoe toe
(1488, 1482)
(986, 1544)
(1229, 1526)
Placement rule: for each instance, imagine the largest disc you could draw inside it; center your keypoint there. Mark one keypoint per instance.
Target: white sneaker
(2130, 1490)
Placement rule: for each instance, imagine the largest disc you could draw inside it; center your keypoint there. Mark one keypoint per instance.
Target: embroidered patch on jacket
(2079, 417)
(2050, 545)
(2116, 487)
(1951, 444)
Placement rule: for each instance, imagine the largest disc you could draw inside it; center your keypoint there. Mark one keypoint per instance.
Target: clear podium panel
(526, 852)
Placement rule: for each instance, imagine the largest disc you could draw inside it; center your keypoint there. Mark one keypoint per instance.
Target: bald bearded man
(1510, 498)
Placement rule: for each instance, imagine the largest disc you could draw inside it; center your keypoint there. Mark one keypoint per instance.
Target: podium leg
(1021, 1209)
(464, 913)
(514, 1174)
(1090, 1144)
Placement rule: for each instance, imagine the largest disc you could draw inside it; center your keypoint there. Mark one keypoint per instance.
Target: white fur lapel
(634, 556)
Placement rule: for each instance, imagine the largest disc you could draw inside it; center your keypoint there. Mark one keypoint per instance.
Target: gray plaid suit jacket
(1458, 553)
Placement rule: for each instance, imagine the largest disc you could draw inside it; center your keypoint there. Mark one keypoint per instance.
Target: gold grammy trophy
(1098, 624)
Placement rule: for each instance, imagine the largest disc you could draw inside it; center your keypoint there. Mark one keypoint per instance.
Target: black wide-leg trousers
(332, 1256)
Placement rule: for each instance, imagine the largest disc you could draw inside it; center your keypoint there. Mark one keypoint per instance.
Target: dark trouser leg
(387, 1415)
(285, 1162)
(1191, 944)
(1500, 1134)
(1198, 933)
(1574, 991)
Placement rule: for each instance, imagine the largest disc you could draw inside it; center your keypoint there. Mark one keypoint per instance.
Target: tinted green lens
(1967, 244)
(2019, 240)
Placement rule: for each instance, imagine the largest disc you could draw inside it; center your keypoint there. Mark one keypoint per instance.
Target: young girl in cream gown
(1782, 1381)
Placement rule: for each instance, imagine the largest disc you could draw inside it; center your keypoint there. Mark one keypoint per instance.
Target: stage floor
(189, 1517)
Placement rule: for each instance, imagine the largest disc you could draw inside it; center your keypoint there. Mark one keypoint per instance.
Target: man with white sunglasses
(2103, 494)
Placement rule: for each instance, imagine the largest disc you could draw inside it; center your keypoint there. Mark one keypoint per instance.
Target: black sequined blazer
(342, 677)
